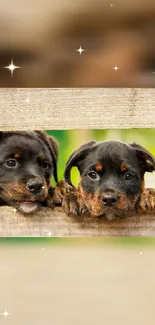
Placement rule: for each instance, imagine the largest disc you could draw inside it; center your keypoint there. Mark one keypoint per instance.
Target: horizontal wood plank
(55, 223)
(91, 108)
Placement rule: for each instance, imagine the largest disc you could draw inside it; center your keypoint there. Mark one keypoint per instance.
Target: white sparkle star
(111, 5)
(49, 233)
(12, 67)
(80, 50)
(116, 68)
(5, 314)
(43, 249)
(141, 253)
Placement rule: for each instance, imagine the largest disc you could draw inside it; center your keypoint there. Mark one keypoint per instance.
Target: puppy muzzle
(110, 199)
(34, 186)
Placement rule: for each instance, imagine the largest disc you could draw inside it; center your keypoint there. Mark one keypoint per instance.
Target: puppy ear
(75, 159)
(2, 134)
(52, 145)
(146, 159)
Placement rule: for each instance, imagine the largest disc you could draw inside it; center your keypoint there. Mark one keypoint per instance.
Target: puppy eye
(93, 175)
(129, 176)
(11, 163)
(46, 165)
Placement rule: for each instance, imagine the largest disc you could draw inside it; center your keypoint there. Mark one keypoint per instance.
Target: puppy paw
(72, 202)
(74, 205)
(53, 199)
(147, 200)
(62, 188)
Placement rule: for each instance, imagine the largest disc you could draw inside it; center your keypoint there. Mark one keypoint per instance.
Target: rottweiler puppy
(111, 180)
(27, 162)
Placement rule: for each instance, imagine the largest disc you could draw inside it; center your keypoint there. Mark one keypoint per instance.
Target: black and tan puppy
(27, 162)
(112, 180)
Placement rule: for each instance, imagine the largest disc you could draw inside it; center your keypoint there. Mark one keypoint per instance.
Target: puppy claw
(82, 210)
(145, 204)
(75, 210)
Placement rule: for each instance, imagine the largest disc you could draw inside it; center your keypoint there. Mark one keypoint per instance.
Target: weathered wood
(91, 108)
(56, 224)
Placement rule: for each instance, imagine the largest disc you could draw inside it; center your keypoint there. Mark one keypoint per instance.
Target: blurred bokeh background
(70, 140)
(42, 38)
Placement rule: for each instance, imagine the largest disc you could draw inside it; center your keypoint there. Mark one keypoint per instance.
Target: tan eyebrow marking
(17, 155)
(124, 167)
(42, 156)
(98, 167)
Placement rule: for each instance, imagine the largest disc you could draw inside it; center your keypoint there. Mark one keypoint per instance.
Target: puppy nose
(109, 199)
(34, 186)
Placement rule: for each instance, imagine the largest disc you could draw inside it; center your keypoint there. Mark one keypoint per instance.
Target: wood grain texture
(91, 108)
(56, 224)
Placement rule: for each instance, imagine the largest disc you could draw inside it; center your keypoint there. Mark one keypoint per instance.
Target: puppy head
(112, 176)
(27, 162)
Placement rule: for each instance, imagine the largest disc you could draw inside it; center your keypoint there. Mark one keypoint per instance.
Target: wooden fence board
(48, 223)
(91, 108)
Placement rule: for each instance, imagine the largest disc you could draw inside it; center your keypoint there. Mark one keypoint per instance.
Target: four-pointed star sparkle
(49, 233)
(116, 68)
(5, 314)
(80, 50)
(12, 67)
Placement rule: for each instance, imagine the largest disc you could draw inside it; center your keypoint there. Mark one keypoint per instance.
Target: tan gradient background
(77, 282)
